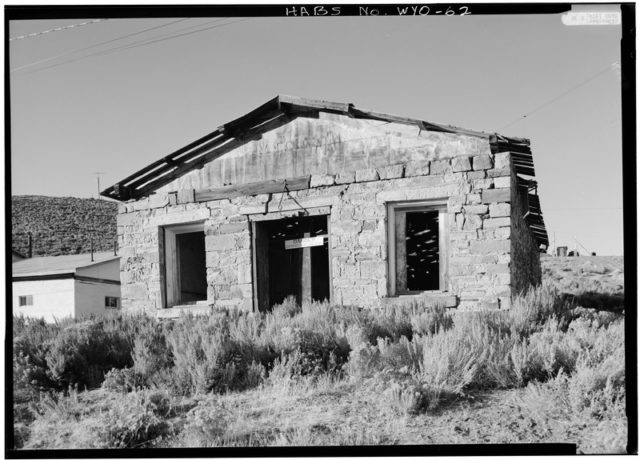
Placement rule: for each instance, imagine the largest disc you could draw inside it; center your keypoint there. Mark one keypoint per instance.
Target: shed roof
(58, 265)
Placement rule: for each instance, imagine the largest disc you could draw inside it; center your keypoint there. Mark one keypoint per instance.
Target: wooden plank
(160, 162)
(539, 231)
(525, 170)
(318, 104)
(209, 156)
(277, 215)
(401, 250)
(523, 156)
(250, 131)
(271, 106)
(260, 239)
(427, 126)
(504, 146)
(527, 164)
(443, 248)
(254, 188)
(306, 275)
(169, 163)
(330, 255)
(516, 148)
(172, 267)
(535, 220)
(305, 242)
(217, 137)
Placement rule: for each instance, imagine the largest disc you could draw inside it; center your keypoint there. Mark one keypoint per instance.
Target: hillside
(604, 274)
(62, 225)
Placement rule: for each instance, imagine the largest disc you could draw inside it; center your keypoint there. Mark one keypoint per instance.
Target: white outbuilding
(74, 286)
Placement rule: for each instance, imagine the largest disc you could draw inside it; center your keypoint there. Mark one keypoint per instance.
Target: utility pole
(98, 174)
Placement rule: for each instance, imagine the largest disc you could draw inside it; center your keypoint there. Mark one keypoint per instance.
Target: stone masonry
(356, 172)
(479, 195)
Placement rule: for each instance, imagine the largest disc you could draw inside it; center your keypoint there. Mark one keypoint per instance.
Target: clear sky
(114, 108)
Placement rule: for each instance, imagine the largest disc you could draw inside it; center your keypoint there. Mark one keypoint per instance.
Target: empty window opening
(417, 250)
(291, 259)
(111, 302)
(25, 300)
(193, 279)
(421, 243)
(185, 265)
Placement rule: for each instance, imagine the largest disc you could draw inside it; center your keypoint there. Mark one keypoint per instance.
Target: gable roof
(283, 109)
(58, 265)
(273, 113)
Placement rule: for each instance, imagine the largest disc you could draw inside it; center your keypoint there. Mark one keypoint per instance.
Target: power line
(139, 44)
(559, 96)
(93, 46)
(142, 42)
(57, 29)
(188, 33)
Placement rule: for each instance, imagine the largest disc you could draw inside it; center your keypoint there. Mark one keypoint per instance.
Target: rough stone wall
(140, 245)
(476, 187)
(525, 263)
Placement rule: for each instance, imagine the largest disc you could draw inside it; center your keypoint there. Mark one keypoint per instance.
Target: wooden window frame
(28, 300)
(393, 208)
(170, 266)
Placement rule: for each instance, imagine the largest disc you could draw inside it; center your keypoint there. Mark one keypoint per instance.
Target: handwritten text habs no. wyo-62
(382, 10)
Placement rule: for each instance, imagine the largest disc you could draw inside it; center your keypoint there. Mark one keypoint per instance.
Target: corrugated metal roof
(58, 264)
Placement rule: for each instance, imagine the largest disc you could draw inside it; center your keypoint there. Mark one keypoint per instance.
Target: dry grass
(546, 371)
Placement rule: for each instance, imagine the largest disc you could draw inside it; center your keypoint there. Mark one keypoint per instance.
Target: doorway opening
(185, 265)
(291, 257)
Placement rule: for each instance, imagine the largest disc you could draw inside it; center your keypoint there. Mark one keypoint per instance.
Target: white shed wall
(52, 299)
(90, 298)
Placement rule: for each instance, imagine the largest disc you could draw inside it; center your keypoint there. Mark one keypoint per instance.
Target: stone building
(322, 200)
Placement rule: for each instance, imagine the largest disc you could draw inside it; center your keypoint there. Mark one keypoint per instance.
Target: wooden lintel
(254, 188)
